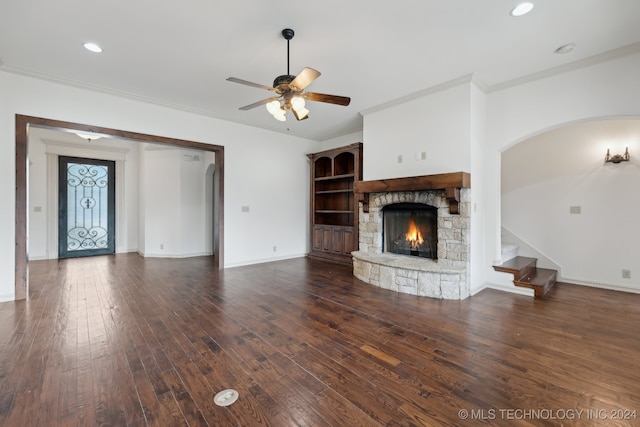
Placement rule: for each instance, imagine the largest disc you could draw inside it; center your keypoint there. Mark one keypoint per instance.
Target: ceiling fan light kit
(290, 91)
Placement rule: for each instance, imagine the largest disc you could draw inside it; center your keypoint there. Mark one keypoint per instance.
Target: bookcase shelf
(334, 208)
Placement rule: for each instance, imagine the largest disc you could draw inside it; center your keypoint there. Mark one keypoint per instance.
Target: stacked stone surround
(446, 278)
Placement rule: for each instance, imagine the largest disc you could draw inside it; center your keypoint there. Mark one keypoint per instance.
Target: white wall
(438, 124)
(272, 181)
(544, 175)
(142, 210)
(160, 193)
(38, 200)
(340, 141)
(262, 169)
(192, 199)
(478, 186)
(607, 89)
(172, 192)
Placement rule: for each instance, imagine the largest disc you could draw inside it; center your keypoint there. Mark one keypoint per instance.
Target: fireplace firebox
(410, 229)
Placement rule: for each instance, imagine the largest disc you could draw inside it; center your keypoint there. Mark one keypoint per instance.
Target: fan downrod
(281, 83)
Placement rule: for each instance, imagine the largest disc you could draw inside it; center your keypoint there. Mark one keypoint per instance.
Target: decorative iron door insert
(86, 204)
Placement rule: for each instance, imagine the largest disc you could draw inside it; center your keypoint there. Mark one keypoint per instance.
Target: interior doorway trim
(22, 148)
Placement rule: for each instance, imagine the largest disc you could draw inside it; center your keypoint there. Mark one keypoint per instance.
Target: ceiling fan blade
(330, 99)
(257, 104)
(248, 83)
(305, 78)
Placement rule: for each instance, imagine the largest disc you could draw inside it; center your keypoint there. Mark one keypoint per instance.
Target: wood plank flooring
(127, 341)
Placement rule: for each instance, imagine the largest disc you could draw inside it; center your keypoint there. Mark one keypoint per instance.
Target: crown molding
(104, 90)
(420, 94)
(571, 66)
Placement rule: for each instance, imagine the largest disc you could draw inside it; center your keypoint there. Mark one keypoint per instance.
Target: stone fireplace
(445, 275)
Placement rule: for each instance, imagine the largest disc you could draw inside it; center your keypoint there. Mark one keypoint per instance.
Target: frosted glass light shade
(297, 103)
(273, 107)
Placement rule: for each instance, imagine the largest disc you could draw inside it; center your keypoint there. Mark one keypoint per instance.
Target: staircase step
(541, 280)
(519, 266)
(509, 251)
(527, 275)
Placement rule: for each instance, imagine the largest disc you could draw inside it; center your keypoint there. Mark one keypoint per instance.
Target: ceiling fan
(290, 91)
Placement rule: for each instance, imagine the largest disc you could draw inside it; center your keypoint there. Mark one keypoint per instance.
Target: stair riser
(540, 289)
(525, 272)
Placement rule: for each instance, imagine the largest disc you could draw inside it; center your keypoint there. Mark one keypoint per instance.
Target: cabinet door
(318, 237)
(326, 239)
(337, 241)
(349, 244)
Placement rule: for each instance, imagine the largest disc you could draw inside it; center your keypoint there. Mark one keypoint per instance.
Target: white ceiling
(180, 53)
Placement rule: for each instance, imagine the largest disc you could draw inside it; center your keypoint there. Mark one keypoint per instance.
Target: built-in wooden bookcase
(334, 209)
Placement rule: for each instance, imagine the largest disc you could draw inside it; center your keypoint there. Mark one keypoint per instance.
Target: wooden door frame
(22, 148)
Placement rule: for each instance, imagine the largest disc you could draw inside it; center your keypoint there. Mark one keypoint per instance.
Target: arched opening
(562, 204)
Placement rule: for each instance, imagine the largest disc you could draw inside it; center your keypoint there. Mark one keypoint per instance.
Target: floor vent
(225, 397)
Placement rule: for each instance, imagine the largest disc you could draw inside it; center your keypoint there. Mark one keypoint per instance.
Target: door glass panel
(87, 214)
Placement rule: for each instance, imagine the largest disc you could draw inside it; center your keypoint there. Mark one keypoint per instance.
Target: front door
(86, 217)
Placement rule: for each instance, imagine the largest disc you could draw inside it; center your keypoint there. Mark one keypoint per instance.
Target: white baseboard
(608, 286)
(166, 255)
(263, 260)
(7, 297)
(526, 291)
(126, 251)
(480, 288)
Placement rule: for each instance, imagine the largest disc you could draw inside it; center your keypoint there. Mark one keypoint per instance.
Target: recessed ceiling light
(92, 47)
(566, 48)
(522, 9)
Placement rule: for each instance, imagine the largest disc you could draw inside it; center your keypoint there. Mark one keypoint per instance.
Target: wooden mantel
(451, 183)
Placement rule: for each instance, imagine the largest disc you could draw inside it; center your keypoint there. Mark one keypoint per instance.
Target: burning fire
(413, 236)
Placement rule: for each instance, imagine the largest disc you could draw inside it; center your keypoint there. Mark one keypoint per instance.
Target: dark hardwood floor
(127, 341)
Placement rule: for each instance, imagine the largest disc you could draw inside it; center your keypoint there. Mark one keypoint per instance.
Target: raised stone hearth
(411, 275)
(446, 277)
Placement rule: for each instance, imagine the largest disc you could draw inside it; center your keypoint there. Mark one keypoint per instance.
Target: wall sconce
(617, 158)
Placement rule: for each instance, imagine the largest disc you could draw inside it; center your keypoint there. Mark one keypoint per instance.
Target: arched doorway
(562, 204)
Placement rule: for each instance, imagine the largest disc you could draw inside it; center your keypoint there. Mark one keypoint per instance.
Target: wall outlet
(575, 210)
(400, 158)
(626, 274)
(161, 245)
(423, 155)
(275, 249)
